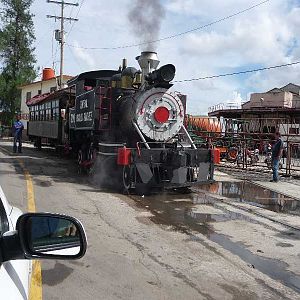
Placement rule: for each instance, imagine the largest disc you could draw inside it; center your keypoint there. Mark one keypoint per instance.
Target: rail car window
(55, 109)
(48, 110)
(102, 82)
(36, 113)
(42, 112)
(88, 82)
(30, 113)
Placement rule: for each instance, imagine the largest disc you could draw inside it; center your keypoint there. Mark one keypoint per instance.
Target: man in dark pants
(18, 128)
(276, 155)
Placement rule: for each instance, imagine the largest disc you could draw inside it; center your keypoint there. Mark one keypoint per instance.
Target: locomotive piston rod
(141, 135)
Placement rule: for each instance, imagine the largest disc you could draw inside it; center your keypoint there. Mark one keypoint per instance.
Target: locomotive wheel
(92, 157)
(126, 178)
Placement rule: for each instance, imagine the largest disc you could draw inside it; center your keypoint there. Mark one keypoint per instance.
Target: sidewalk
(9, 142)
(289, 189)
(221, 176)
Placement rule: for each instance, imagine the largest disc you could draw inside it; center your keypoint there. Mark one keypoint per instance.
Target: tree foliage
(16, 54)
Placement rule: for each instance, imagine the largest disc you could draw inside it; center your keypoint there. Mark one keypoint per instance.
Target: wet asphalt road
(164, 247)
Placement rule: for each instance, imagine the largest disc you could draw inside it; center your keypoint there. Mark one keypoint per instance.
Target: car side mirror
(52, 236)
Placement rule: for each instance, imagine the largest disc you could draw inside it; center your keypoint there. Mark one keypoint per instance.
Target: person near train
(17, 130)
(276, 156)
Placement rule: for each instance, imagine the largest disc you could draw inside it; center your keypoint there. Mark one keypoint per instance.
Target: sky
(264, 36)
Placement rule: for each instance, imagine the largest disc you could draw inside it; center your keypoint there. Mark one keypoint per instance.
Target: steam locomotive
(125, 124)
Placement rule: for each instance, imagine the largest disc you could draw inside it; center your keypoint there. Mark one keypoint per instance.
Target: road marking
(35, 289)
(30, 192)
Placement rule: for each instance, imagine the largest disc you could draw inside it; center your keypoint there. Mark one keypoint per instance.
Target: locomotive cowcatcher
(125, 125)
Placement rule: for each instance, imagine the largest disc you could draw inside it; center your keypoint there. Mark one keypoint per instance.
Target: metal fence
(247, 135)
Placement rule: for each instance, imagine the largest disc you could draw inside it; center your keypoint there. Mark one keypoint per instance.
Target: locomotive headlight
(164, 74)
(167, 72)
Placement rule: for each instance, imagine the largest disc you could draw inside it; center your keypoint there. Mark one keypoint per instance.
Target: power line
(60, 33)
(174, 35)
(75, 18)
(75, 58)
(238, 73)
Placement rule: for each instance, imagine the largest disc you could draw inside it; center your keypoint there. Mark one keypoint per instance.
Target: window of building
(294, 131)
(28, 95)
(39, 92)
(53, 89)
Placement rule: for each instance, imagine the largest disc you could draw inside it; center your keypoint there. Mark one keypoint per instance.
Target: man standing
(276, 155)
(18, 128)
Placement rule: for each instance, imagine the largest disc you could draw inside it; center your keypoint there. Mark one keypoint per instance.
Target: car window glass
(3, 219)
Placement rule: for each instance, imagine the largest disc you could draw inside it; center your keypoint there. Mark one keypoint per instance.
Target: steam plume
(145, 19)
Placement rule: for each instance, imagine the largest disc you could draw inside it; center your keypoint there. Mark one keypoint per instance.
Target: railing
(250, 134)
(223, 106)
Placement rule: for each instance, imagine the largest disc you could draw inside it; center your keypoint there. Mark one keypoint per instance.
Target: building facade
(277, 109)
(48, 84)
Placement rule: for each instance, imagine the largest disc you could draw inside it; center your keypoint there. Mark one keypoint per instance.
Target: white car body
(15, 275)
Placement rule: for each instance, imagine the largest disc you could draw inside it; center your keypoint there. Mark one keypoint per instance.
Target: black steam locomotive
(125, 124)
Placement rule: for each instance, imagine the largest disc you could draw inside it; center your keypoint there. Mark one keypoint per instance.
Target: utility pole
(59, 34)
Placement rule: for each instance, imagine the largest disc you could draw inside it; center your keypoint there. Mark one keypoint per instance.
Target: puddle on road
(180, 213)
(250, 193)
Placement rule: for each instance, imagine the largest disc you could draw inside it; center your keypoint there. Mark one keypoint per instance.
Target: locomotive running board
(141, 135)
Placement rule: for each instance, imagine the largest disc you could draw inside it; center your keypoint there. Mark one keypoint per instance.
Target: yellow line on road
(35, 289)
(30, 192)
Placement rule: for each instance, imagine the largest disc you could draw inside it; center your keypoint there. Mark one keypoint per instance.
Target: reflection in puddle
(248, 192)
(186, 215)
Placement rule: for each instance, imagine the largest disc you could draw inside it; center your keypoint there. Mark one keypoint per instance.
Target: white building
(48, 84)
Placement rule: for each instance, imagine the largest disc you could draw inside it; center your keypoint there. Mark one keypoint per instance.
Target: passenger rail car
(124, 124)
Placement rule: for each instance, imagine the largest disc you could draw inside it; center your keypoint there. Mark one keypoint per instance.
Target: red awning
(37, 99)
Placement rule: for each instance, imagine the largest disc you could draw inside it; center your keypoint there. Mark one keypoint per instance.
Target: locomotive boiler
(128, 125)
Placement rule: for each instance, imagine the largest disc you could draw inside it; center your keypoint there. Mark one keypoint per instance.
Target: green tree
(16, 54)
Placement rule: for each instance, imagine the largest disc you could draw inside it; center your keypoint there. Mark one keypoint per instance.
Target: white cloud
(83, 55)
(266, 35)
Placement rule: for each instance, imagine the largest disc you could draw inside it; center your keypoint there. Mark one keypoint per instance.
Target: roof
(47, 96)
(236, 113)
(37, 99)
(275, 90)
(68, 77)
(93, 75)
(291, 87)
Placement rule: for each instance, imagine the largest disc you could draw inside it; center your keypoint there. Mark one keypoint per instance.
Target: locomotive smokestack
(148, 62)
